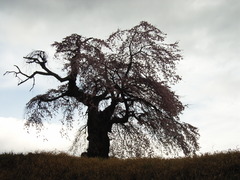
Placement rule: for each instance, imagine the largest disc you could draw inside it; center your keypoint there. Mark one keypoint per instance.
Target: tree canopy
(124, 83)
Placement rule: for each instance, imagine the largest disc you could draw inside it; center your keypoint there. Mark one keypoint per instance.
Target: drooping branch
(44, 98)
(131, 57)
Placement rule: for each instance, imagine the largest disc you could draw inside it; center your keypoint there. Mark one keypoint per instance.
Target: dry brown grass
(48, 165)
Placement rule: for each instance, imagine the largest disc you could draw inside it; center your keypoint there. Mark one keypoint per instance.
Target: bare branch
(39, 57)
(19, 73)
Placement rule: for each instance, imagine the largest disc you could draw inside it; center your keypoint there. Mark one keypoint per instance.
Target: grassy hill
(47, 165)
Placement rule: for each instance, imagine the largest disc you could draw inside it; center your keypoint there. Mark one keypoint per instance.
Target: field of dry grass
(47, 165)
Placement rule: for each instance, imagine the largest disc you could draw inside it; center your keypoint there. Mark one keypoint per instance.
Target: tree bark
(98, 128)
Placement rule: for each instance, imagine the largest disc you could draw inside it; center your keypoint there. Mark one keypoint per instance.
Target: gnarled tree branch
(39, 58)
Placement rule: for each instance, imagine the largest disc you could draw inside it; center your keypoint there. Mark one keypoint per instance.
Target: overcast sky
(208, 32)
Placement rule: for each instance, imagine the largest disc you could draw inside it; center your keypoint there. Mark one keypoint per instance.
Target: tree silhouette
(124, 83)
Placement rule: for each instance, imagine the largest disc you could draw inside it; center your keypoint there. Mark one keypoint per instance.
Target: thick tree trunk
(97, 134)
